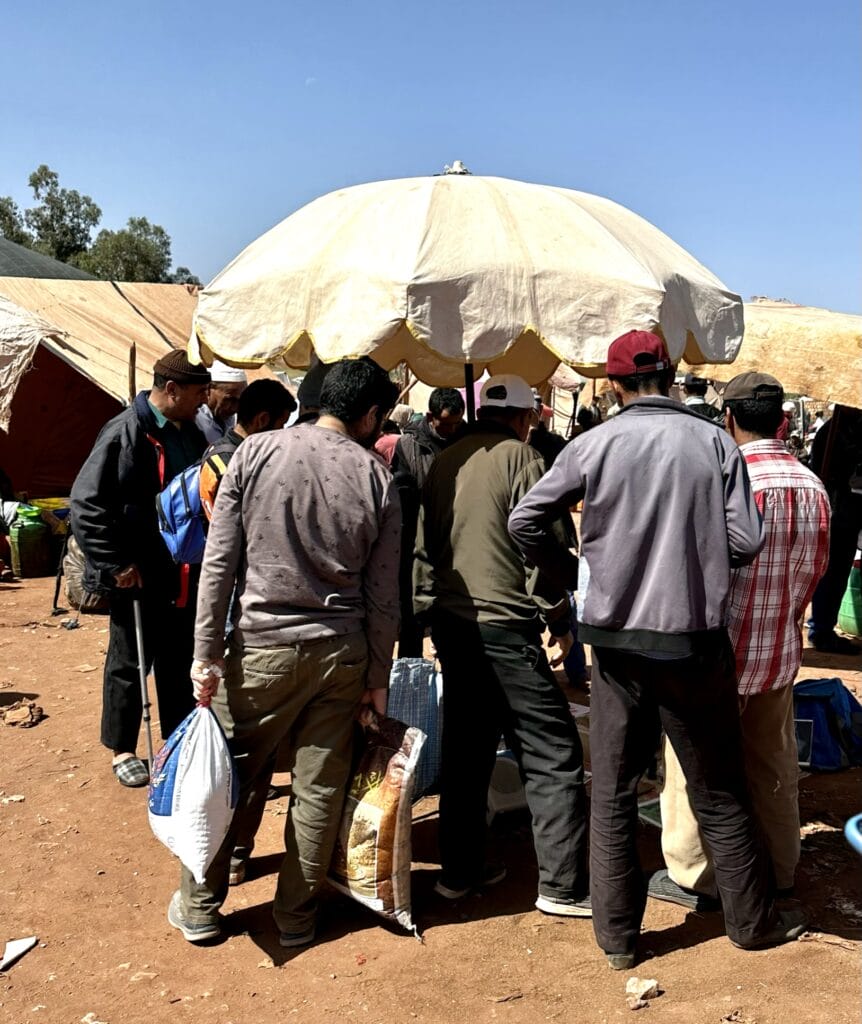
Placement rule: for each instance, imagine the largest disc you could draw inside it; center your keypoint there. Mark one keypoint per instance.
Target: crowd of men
(701, 544)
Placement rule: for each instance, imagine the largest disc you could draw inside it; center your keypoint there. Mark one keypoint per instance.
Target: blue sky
(733, 127)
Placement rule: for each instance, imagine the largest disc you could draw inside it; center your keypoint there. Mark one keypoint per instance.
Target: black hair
(757, 415)
(267, 395)
(390, 427)
(159, 381)
(353, 386)
(696, 389)
(585, 417)
(641, 383)
(442, 399)
(506, 413)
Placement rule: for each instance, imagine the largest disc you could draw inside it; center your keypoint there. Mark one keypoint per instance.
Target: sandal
(132, 772)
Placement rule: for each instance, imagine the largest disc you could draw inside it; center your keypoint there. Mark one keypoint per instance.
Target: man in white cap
(218, 415)
(488, 612)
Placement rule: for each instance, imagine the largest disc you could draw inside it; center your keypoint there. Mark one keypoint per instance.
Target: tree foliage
(62, 220)
(61, 225)
(12, 224)
(138, 252)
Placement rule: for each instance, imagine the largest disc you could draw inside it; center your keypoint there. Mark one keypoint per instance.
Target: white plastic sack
(193, 791)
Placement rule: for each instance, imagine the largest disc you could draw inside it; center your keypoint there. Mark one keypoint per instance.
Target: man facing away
(668, 510)
(415, 451)
(263, 405)
(218, 414)
(488, 615)
(836, 457)
(767, 600)
(307, 526)
(694, 389)
(114, 521)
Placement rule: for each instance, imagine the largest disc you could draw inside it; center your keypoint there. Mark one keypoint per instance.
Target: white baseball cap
(506, 390)
(221, 373)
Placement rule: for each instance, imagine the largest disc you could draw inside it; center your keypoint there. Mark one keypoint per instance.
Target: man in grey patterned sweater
(307, 523)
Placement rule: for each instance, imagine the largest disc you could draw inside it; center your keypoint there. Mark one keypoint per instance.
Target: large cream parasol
(811, 351)
(458, 270)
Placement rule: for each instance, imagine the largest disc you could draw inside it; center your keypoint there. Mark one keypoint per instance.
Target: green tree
(63, 220)
(12, 222)
(61, 226)
(138, 252)
(182, 275)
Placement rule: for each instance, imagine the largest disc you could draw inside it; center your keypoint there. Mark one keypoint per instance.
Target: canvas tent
(19, 261)
(64, 366)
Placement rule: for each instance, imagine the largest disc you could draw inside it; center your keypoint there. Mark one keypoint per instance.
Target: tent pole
(133, 361)
(469, 393)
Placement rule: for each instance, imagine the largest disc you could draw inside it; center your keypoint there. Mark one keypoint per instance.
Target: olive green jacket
(466, 562)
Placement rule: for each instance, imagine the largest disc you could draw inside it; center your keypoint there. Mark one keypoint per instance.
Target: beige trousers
(769, 745)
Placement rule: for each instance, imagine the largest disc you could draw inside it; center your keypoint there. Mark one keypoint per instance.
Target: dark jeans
(168, 648)
(497, 682)
(694, 700)
(844, 528)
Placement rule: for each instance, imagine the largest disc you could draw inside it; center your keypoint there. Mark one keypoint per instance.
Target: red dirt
(81, 870)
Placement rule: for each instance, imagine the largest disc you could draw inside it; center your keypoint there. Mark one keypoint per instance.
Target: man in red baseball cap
(668, 510)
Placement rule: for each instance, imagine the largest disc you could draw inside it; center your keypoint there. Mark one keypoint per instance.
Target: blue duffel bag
(836, 735)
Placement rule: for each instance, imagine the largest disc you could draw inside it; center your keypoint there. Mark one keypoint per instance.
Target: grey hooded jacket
(668, 510)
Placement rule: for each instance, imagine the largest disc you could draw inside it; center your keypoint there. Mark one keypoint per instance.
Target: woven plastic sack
(416, 698)
(371, 863)
(193, 791)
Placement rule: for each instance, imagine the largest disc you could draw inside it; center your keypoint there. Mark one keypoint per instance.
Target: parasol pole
(133, 359)
(469, 393)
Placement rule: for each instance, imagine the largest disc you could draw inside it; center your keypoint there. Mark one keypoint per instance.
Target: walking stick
(142, 672)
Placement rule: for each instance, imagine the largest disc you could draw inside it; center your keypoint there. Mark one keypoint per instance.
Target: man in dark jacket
(489, 612)
(114, 521)
(415, 451)
(668, 510)
(694, 390)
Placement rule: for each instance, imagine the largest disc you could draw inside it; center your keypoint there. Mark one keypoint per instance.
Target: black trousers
(844, 529)
(497, 682)
(694, 699)
(168, 649)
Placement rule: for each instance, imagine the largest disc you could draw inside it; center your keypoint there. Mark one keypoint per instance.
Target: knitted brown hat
(175, 365)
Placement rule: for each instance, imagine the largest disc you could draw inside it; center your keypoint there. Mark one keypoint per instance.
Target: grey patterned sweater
(308, 523)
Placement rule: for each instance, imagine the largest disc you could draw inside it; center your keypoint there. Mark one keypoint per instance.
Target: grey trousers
(308, 693)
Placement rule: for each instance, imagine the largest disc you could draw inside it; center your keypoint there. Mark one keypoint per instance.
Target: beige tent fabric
(20, 334)
(439, 271)
(91, 325)
(811, 351)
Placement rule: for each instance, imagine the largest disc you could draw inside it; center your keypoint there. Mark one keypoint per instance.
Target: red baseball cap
(637, 352)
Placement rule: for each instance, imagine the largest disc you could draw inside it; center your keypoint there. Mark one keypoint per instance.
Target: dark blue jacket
(114, 499)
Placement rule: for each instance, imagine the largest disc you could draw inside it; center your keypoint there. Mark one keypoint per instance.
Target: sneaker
(832, 643)
(621, 961)
(192, 931)
(789, 925)
(291, 940)
(563, 907)
(491, 875)
(236, 875)
(662, 887)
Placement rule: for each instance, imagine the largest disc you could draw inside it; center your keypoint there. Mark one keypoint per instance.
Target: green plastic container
(30, 542)
(850, 612)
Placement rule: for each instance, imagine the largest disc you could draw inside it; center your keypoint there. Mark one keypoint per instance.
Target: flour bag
(373, 853)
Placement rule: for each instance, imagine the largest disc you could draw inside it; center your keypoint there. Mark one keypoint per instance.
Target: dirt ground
(81, 871)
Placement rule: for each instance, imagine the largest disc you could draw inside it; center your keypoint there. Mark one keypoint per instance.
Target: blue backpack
(182, 522)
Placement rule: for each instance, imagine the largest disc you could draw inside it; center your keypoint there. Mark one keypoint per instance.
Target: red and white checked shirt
(769, 596)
